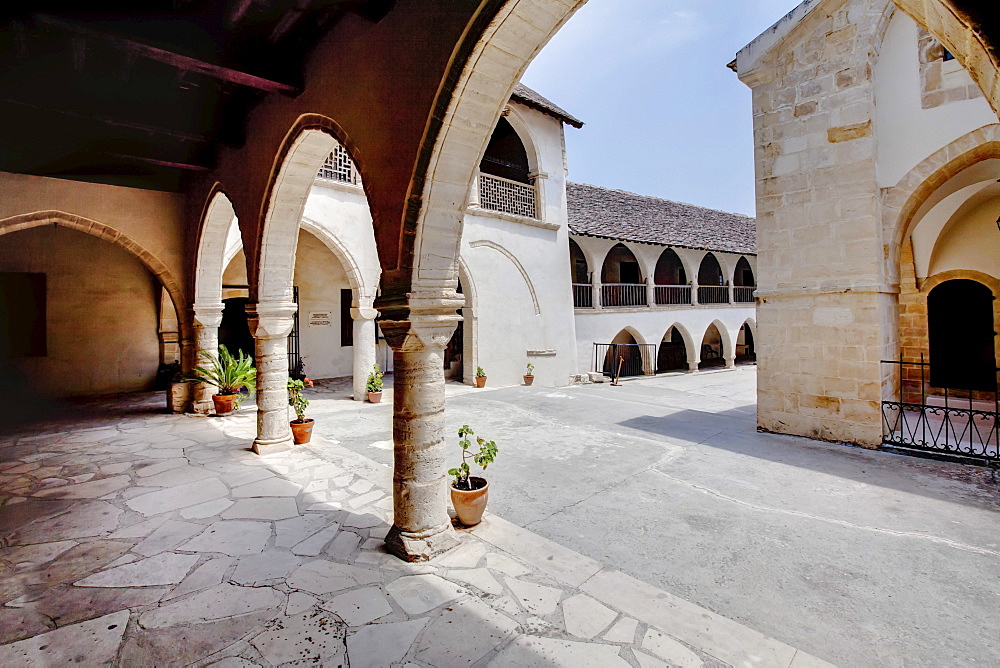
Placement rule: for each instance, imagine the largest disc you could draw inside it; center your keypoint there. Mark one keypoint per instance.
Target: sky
(663, 115)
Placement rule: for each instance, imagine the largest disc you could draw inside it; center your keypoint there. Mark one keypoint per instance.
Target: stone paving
(136, 538)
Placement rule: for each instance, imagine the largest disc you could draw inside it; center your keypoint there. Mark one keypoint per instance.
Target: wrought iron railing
(673, 294)
(623, 294)
(744, 294)
(338, 166)
(713, 294)
(625, 359)
(949, 422)
(499, 194)
(583, 295)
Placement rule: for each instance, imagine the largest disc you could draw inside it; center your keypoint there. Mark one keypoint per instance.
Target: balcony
(713, 294)
(744, 294)
(583, 295)
(623, 294)
(506, 196)
(673, 294)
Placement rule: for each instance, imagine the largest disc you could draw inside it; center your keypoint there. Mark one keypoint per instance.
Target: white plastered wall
(905, 133)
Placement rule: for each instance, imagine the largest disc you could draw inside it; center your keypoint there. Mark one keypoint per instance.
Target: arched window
(712, 287)
(578, 263)
(622, 279)
(961, 336)
(505, 182)
(744, 284)
(671, 279)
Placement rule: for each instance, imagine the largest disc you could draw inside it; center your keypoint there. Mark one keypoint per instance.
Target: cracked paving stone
(219, 602)
(378, 645)
(233, 537)
(163, 569)
(260, 568)
(466, 556)
(177, 476)
(480, 578)
(324, 577)
(647, 661)
(365, 499)
(167, 536)
(585, 617)
(464, 634)
(264, 508)
(209, 574)
(312, 546)
(623, 631)
(536, 599)
(207, 509)
(670, 650)
(534, 651)
(299, 602)
(78, 561)
(175, 498)
(93, 642)
(506, 565)
(82, 521)
(417, 594)
(270, 487)
(293, 531)
(343, 545)
(312, 638)
(158, 467)
(38, 554)
(360, 606)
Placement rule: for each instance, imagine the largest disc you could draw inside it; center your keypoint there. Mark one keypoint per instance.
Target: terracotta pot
(302, 431)
(469, 505)
(375, 397)
(223, 403)
(480, 381)
(528, 379)
(178, 397)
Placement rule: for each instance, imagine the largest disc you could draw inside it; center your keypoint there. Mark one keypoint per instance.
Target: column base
(421, 545)
(263, 446)
(203, 407)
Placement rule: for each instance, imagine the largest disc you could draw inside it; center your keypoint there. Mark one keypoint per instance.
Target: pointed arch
(210, 262)
(667, 359)
(485, 243)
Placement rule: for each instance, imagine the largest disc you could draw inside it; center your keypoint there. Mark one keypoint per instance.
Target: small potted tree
(480, 377)
(470, 493)
(229, 374)
(374, 386)
(529, 377)
(302, 426)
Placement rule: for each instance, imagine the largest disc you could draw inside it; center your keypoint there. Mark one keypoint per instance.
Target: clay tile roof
(617, 214)
(528, 97)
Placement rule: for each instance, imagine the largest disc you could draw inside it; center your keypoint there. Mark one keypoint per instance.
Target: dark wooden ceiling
(142, 94)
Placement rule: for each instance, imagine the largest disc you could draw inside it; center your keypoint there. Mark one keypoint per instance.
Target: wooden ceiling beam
(172, 58)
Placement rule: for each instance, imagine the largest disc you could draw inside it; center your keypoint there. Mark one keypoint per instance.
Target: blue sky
(664, 116)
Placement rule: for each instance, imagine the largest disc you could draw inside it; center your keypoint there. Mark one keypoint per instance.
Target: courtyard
(643, 525)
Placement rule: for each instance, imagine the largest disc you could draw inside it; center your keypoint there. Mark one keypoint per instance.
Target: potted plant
(178, 388)
(529, 377)
(374, 386)
(469, 493)
(301, 426)
(480, 377)
(229, 374)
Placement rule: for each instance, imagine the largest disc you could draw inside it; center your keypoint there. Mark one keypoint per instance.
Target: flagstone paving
(142, 539)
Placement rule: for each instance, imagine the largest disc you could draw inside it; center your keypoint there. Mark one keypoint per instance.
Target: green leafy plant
(375, 379)
(531, 369)
(480, 373)
(487, 453)
(227, 373)
(296, 399)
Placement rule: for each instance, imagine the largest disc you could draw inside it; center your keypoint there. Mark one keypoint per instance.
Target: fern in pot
(229, 375)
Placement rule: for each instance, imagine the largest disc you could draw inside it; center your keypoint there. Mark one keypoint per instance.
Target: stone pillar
(421, 527)
(731, 362)
(692, 366)
(595, 282)
(650, 293)
(364, 348)
(694, 293)
(270, 324)
(206, 319)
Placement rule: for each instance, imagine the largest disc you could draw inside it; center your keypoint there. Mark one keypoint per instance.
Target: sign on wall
(320, 319)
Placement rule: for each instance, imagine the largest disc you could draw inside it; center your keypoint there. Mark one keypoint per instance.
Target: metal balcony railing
(713, 294)
(673, 294)
(623, 294)
(506, 196)
(744, 294)
(583, 295)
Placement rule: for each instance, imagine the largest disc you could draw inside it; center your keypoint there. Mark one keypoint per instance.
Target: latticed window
(499, 194)
(338, 166)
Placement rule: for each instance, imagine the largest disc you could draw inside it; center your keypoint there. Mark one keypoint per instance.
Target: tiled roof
(526, 96)
(617, 214)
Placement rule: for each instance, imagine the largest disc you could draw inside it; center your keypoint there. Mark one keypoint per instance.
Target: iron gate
(951, 423)
(295, 369)
(635, 359)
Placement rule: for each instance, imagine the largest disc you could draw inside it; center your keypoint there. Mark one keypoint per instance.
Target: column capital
(431, 321)
(207, 315)
(271, 320)
(364, 313)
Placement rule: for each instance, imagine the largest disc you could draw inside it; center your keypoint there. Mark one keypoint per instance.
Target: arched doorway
(624, 356)
(454, 352)
(744, 282)
(746, 351)
(671, 280)
(712, 349)
(712, 288)
(621, 278)
(672, 355)
(961, 336)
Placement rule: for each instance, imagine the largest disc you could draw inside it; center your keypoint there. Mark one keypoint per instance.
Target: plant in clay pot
(469, 493)
(529, 376)
(229, 374)
(178, 388)
(480, 377)
(301, 426)
(374, 385)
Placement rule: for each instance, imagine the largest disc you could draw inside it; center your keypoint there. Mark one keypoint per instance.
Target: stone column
(206, 319)
(595, 282)
(270, 324)
(694, 293)
(731, 362)
(364, 348)
(421, 527)
(650, 293)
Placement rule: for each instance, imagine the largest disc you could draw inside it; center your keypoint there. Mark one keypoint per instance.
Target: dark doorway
(960, 330)
(453, 367)
(745, 351)
(672, 355)
(234, 330)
